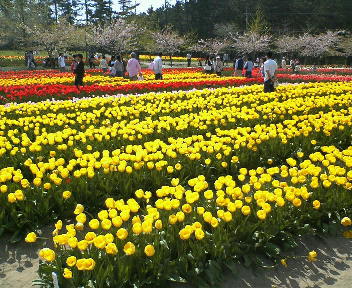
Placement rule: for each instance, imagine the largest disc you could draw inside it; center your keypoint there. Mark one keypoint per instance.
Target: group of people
(244, 66)
(213, 64)
(117, 67)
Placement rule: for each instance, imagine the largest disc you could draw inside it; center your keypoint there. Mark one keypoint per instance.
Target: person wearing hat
(218, 66)
(133, 67)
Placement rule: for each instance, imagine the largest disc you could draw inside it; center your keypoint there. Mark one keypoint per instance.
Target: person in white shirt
(283, 63)
(158, 67)
(61, 62)
(270, 67)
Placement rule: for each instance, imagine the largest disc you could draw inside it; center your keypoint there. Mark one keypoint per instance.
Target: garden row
(43, 85)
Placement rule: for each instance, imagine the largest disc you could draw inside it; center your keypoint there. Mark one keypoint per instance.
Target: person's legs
(272, 88)
(158, 76)
(269, 86)
(134, 78)
(189, 62)
(78, 81)
(266, 86)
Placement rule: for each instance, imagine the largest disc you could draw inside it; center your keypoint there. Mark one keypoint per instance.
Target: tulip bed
(34, 86)
(175, 186)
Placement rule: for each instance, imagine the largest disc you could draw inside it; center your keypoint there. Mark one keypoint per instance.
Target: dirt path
(18, 265)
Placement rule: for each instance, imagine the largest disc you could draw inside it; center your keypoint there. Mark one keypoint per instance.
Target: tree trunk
(56, 13)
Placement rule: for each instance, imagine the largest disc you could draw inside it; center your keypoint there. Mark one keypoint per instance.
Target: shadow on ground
(332, 269)
(19, 264)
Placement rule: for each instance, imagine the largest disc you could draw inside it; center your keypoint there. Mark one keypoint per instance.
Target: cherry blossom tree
(168, 41)
(118, 37)
(317, 45)
(287, 45)
(211, 46)
(251, 43)
(61, 36)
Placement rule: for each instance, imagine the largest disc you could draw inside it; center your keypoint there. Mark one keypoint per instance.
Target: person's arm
(266, 72)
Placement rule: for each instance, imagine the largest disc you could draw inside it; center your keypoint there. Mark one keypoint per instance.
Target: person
(238, 66)
(74, 64)
(79, 71)
(248, 66)
(297, 66)
(158, 67)
(257, 63)
(293, 66)
(104, 64)
(119, 67)
(283, 63)
(270, 67)
(208, 68)
(133, 67)
(30, 60)
(218, 66)
(61, 62)
(112, 61)
(91, 61)
(189, 59)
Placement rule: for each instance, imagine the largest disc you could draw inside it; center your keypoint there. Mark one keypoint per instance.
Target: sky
(145, 4)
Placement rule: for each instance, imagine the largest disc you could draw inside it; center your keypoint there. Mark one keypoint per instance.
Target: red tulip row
(24, 93)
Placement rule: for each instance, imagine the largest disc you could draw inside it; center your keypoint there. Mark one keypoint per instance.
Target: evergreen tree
(69, 9)
(128, 7)
(125, 5)
(103, 11)
(88, 6)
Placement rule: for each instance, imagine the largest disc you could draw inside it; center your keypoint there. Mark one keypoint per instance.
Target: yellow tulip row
(156, 154)
(210, 213)
(136, 129)
(106, 80)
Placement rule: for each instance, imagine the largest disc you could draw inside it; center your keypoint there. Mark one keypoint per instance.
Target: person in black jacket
(79, 71)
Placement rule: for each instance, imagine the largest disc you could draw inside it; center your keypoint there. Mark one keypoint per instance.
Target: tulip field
(176, 180)
(39, 85)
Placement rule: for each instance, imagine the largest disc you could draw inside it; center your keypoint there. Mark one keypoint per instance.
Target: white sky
(145, 4)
